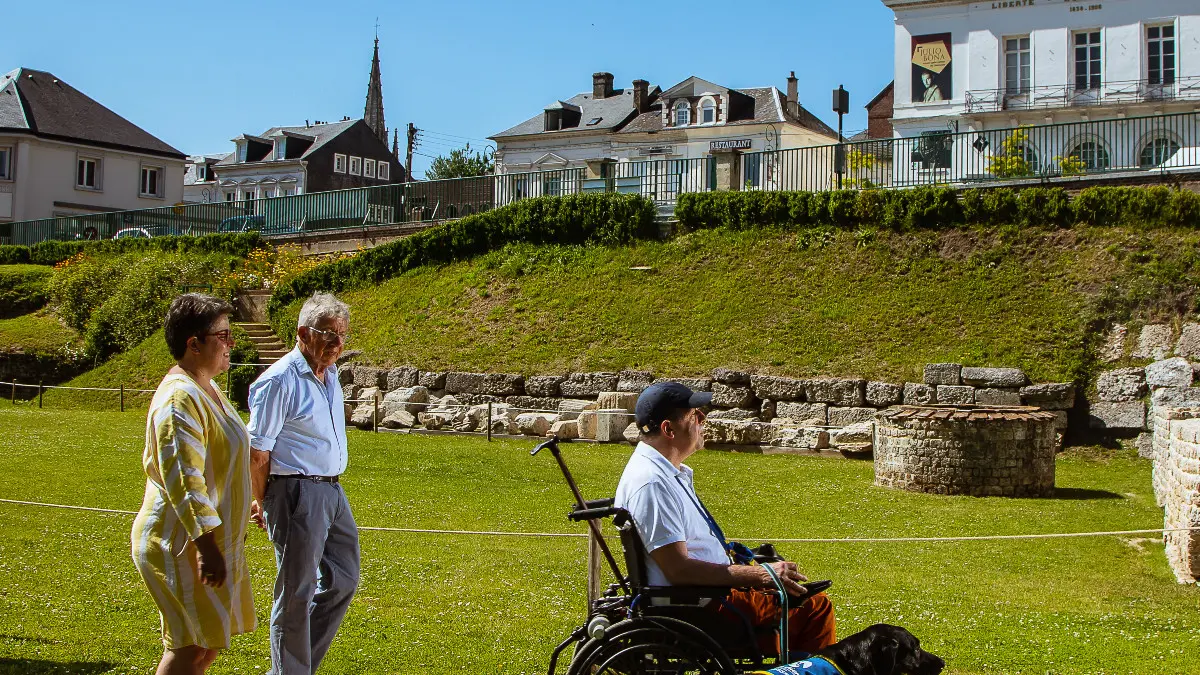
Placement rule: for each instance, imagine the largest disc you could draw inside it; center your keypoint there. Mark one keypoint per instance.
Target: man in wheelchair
(685, 545)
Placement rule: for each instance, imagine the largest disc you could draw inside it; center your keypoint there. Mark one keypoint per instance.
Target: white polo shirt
(663, 503)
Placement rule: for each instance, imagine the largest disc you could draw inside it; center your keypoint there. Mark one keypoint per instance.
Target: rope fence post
(593, 565)
(375, 415)
(39, 393)
(489, 424)
(122, 397)
(14, 391)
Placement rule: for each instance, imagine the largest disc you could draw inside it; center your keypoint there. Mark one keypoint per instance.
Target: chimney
(602, 85)
(793, 103)
(641, 96)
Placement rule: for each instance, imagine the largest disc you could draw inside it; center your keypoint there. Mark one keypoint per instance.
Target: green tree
(1015, 159)
(460, 163)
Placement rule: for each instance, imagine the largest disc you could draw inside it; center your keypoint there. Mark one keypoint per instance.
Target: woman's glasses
(225, 336)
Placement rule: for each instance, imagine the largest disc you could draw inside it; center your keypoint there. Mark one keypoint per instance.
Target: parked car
(132, 233)
(242, 224)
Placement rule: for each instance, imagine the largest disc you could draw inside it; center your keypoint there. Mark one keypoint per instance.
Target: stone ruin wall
(1176, 450)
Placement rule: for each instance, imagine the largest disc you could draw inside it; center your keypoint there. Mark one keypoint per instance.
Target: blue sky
(198, 74)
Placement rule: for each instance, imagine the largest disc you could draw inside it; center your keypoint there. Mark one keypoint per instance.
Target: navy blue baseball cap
(663, 400)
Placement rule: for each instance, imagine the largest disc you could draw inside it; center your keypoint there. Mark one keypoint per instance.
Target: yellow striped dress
(197, 463)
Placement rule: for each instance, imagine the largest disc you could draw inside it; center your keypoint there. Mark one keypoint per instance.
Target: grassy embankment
(427, 604)
(820, 302)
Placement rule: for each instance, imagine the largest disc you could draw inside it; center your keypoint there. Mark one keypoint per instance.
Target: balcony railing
(1068, 96)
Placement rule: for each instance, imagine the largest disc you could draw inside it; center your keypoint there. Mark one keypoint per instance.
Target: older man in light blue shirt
(298, 439)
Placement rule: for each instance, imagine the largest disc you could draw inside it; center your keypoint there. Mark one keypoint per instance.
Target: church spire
(373, 113)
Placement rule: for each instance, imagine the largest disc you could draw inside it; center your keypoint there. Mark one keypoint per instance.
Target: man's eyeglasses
(225, 336)
(330, 336)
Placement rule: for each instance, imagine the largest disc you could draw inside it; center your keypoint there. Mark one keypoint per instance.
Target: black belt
(315, 479)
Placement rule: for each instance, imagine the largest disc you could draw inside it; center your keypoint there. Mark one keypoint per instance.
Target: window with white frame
(1016, 65)
(267, 194)
(87, 173)
(369, 168)
(230, 196)
(1157, 151)
(151, 182)
(339, 163)
(1087, 60)
(355, 166)
(682, 114)
(248, 195)
(384, 170)
(6, 171)
(1160, 54)
(708, 111)
(1092, 154)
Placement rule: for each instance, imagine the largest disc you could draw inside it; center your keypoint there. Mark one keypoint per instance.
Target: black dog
(882, 649)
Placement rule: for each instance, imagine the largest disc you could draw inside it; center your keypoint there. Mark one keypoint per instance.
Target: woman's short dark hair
(191, 315)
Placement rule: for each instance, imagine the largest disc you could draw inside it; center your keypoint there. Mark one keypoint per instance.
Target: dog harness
(816, 665)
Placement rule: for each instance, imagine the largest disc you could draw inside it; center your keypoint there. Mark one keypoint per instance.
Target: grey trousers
(316, 553)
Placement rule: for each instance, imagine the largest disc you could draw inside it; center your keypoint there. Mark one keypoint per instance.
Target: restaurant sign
(731, 144)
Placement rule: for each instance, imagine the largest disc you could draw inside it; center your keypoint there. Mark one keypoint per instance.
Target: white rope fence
(582, 535)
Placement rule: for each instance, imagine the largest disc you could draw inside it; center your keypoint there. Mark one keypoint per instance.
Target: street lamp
(841, 106)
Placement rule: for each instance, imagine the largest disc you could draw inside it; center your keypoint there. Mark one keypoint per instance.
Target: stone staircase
(270, 349)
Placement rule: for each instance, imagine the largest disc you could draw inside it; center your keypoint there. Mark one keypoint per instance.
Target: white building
(1117, 81)
(63, 154)
(200, 180)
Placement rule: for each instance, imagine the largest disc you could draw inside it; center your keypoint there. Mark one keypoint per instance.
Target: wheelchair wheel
(652, 646)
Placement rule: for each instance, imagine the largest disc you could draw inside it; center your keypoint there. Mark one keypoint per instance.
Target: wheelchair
(650, 630)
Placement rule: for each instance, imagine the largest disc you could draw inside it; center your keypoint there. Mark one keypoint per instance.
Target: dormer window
(202, 173)
(682, 114)
(279, 147)
(708, 111)
(241, 151)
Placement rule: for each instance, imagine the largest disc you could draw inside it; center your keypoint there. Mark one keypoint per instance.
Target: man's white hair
(322, 306)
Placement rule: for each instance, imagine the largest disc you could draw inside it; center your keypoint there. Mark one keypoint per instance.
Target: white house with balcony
(1104, 85)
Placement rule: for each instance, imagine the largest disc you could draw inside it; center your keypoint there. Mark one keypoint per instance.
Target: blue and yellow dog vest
(816, 665)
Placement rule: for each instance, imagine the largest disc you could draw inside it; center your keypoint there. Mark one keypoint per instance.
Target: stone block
(350, 391)
(943, 373)
(432, 380)
(1189, 341)
(503, 425)
(565, 429)
(1124, 384)
(955, 394)
(366, 376)
(734, 414)
(404, 376)
(398, 419)
(363, 416)
(610, 425)
(1176, 397)
(448, 402)
(884, 394)
(535, 424)
(1154, 342)
(810, 414)
(998, 378)
(844, 392)
(777, 388)
(587, 424)
(1176, 372)
(545, 386)
(634, 380)
(1127, 416)
(617, 400)
(479, 399)
(919, 394)
(732, 378)
(571, 408)
(435, 421)
(693, 383)
(1145, 445)
(411, 399)
(803, 438)
(1114, 343)
(1061, 421)
(992, 396)
(766, 411)
(735, 432)
(587, 385)
(370, 393)
(840, 417)
(1050, 396)
(862, 432)
(464, 383)
(730, 396)
(532, 403)
(632, 435)
(346, 374)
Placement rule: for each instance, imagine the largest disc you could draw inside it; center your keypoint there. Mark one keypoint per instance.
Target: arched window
(1157, 152)
(682, 114)
(708, 111)
(1093, 155)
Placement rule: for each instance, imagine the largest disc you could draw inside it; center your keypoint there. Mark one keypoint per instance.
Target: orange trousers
(811, 626)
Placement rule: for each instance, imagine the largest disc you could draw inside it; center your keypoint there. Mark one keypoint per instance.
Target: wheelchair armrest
(686, 595)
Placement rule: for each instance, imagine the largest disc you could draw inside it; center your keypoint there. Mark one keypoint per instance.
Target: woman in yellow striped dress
(189, 537)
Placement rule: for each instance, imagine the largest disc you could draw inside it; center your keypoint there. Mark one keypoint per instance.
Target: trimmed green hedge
(53, 252)
(575, 219)
(22, 289)
(941, 207)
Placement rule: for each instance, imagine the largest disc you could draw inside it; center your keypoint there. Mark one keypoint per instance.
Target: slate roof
(613, 111)
(189, 174)
(322, 132)
(770, 107)
(37, 102)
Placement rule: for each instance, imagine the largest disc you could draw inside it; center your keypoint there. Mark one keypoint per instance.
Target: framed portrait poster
(932, 68)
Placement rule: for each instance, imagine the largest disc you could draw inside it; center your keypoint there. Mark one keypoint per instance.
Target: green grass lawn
(22, 288)
(835, 303)
(69, 593)
(38, 332)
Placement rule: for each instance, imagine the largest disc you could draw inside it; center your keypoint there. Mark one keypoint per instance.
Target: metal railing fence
(1123, 92)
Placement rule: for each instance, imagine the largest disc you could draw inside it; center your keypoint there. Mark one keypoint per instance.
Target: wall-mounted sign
(932, 70)
(731, 144)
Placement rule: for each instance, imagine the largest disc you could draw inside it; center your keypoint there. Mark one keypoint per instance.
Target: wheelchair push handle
(595, 513)
(551, 443)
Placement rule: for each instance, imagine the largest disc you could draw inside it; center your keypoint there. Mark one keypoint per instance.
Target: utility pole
(412, 140)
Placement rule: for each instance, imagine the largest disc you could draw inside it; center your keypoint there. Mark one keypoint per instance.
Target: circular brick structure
(967, 450)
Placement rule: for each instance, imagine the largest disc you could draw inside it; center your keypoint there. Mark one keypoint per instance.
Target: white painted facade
(41, 176)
